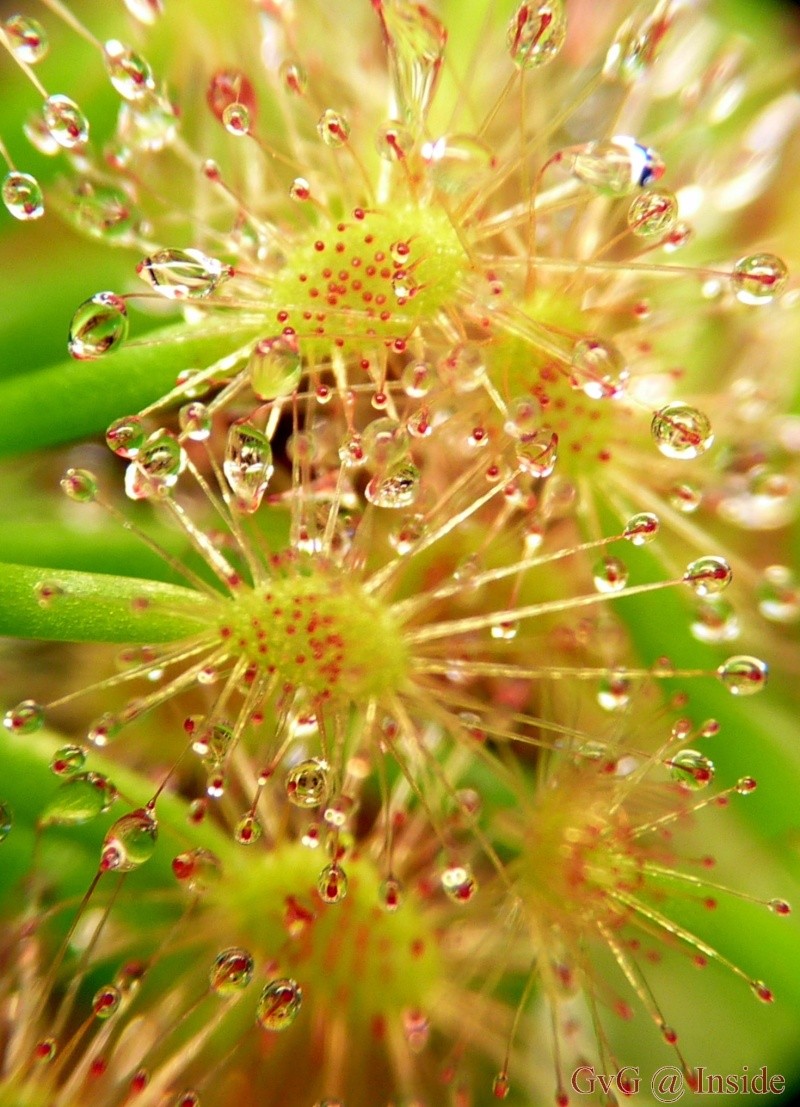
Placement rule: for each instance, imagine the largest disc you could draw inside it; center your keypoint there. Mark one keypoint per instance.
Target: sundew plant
(399, 414)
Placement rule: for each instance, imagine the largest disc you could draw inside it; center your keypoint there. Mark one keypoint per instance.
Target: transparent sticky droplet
(293, 77)
(45, 1050)
(636, 44)
(247, 831)
(151, 125)
(417, 1029)
(307, 783)
(708, 576)
(332, 884)
(188, 1098)
(129, 842)
(537, 453)
(610, 574)
(691, 769)
(715, 621)
(98, 326)
(641, 528)
(231, 972)
(395, 487)
(415, 41)
(103, 212)
(195, 421)
(390, 894)
(129, 72)
(459, 884)
(81, 798)
(614, 691)
(685, 498)
(160, 460)
(779, 907)
(616, 167)
(23, 196)
(6, 821)
(417, 380)
(106, 1001)
(456, 163)
(501, 1086)
(779, 595)
(681, 431)
(66, 122)
(275, 367)
(197, 869)
(761, 991)
(505, 631)
(759, 278)
(27, 39)
(743, 675)
(653, 214)
(279, 1005)
(405, 536)
(236, 119)
(126, 436)
(300, 189)
(598, 369)
(26, 718)
(393, 140)
(247, 465)
(333, 129)
(183, 274)
(79, 485)
(68, 760)
(536, 33)
(229, 87)
(146, 11)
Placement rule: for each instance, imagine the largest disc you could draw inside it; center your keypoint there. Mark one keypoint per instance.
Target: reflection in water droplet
(27, 39)
(231, 972)
(128, 71)
(681, 431)
(98, 326)
(248, 465)
(81, 798)
(275, 367)
(610, 574)
(332, 884)
(333, 129)
(691, 769)
(79, 485)
(536, 33)
(415, 41)
(126, 436)
(396, 487)
(279, 1005)
(26, 718)
(194, 421)
(537, 453)
(708, 576)
(129, 842)
(183, 274)
(653, 214)
(459, 884)
(307, 783)
(23, 196)
(68, 760)
(106, 1001)
(247, 831)
(743, 675)
(759, 278)
(641, 528)
(616, 167)
(66, 122)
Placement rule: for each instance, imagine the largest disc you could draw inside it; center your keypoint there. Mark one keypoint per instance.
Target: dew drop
(537, 453)
(610, 575)
(194, 421)
(614, 692)
(79, 485)
(456, 163)
(390, 894)
(691, 769)
(779, 595)
(26, 718)
(708, 576)
(128, 71)
(300, 189)
(106, 1001)
(681, 431)
(279, 1005)
(715, 622)
(396, 487)
(417, 380)
(129, 842)
(685, 498)
(743, 675)
(415, 41)
(393, 141)
(459, 884)
(68, 760)
(536, 33)
(231, 972)
(247, 465)
(759, 278)
(161, 461)
(126, 436)
(746, 785)
(616, 167)
(653, 214)
(332, 884)
(27, 39)
(247, 831)
(236, 119)
(641, 528)
(22, 196)
(598, 369)
(98, 326)
(293, 77)
(6, 821)
(275, 367)
(66, 122)
(307, 783)
(197, 869)
(333, 129)
(183, 274)
(81, 798)
(229, 87)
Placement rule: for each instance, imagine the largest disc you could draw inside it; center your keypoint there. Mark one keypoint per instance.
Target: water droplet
(681, 431)
(247, 465)
(183, 274)
(685, 498)
(537, 453)
(691, 769)
(247, 831)
(129, 842)
(779, 595)
(80, 485)
(6, 821)
(417, 1029)
(194, 421)
(66, 122)
(759, 278)
(275, 367)
(708, 576)
(405, 536)
(103, 212)
(126, 436)
(636, 45)
(161, 461)
(396, 487)
(215, 785)
(81, 798)
(616, 167)
(197, 869)
(107, 726)
(68, 760)
(27, 39)
(614, 692)
(598, 369)
(332, 884)
(279, 1005)
(715, 621)
(236, 119)
(188, 1099)
(779, 907)
(761, 991)
(293, 77)
(459, 884)
(641, 528)
(505, 631)
(390, 894)
(300, 189)
(98, 326)
(610, 574)
(536, 33)
(393, 141)
(415, 41)
(106, 1001)
(653, 214)
(307, 783)
(231, 972)
(417, 380)
(743, 675)
(333, 128)
(26, 718)
(456, 163)
(45, 1050)
(149, 125)
(22, 196)
(229, 87)
(501, 1086)
(128, 71)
